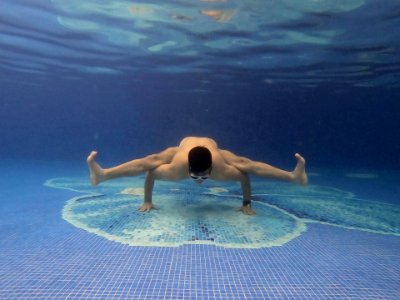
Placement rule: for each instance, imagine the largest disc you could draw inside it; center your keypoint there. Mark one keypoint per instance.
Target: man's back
(190, 142)
(180, 160)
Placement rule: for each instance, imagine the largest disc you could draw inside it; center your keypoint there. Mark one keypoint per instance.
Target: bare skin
(172, 164)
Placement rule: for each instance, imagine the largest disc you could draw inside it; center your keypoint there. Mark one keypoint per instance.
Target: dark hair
(200, 159)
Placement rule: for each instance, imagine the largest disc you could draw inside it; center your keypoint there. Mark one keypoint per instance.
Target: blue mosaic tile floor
(43, 256)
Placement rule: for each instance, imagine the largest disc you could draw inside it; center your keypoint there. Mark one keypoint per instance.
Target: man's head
(200, 162)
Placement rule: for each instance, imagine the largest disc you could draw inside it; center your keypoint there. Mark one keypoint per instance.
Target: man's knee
(161, 158)
(170, 151)
(152, 161)
(244, 164)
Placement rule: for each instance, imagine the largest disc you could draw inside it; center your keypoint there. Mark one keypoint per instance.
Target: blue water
(265, 79)
(320, 78)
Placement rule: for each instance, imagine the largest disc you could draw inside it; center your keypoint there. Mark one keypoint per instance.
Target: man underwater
(198, 158)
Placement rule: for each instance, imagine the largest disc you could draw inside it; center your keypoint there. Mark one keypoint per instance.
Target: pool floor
(42, 256)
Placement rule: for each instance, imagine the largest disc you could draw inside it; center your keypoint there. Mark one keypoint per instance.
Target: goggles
(197, 177)
(203, 175)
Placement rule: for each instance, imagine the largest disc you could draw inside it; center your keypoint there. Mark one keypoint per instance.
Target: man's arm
(148, 192)
(246, 190)
(231, 173)
(163, 172)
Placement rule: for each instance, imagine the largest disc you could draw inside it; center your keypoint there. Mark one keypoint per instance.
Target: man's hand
(146, 207)
(247, 210)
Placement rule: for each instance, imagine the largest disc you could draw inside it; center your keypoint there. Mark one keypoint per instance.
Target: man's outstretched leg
(132, 168)
(298, 175)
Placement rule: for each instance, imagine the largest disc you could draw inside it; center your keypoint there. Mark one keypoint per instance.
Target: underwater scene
(202, 149)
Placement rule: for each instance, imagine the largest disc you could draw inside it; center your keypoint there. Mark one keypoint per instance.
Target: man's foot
(247, 210)
(299, 173)
(96, 172)
(146, 207)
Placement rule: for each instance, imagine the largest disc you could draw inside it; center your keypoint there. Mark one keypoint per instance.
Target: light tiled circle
(192, 214)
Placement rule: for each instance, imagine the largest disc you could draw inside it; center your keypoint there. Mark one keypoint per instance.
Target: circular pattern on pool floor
(192, 214)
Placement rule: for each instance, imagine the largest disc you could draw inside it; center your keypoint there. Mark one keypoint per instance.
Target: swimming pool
(265, 79)
(46, 257)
